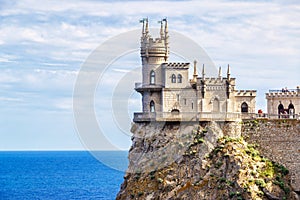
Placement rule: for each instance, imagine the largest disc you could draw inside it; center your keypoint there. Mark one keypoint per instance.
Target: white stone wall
(215, 97)
(168, 78)
(182, 99)
(154, 64)
(148, 97)
(250, 100)
(285, 98)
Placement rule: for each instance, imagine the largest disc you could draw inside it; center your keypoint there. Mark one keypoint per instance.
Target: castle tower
(154, 52)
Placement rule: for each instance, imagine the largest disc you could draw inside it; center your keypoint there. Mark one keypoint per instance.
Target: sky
(44, 44)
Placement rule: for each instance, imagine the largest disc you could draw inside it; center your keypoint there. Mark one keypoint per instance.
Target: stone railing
(186, 116)
(284, 90)
(206, 116)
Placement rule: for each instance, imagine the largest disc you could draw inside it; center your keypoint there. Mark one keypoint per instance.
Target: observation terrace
(205, 116)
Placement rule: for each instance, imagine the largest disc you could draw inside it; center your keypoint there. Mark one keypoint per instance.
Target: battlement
(155, 41)
(176, 65)
(284, 93)
(245, 93)
(156, 47)
(215, 80)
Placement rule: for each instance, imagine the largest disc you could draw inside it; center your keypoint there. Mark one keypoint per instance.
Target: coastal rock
(199, 161)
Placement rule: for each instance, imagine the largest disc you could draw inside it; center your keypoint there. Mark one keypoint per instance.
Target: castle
(169, 95)
(288, 98)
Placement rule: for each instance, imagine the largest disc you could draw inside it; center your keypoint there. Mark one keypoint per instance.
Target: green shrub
(260, 182)
(218, 164)
(222, 180)
(231, 194)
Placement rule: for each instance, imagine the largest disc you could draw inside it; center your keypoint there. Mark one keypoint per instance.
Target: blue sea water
(59, 175)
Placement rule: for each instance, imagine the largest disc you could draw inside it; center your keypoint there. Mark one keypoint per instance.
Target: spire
(195, 71)
(220, 72)
(228, 72)
(161, 29)
(203, 72)
(166, 30)
(147, 26)
(166, 26)
(166, 39)
(143, 29)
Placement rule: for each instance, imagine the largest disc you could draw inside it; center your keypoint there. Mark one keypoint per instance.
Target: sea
(61, 175)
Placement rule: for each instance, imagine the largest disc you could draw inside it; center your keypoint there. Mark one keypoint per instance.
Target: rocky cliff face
(199, 161)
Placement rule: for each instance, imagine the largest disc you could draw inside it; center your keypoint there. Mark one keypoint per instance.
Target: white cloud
(65, 104)
(10, 99)
(43, 44)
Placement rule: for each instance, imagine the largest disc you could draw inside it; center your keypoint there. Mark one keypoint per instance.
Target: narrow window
(173, 78)
(184, 101)
(179, 77)
(177, 97)
(152, 106)
(152, 77)
(192, 105)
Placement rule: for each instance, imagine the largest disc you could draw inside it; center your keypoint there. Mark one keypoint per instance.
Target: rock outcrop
(199, 161)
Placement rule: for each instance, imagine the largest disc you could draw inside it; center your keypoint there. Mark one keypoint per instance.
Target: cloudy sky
(44, 44)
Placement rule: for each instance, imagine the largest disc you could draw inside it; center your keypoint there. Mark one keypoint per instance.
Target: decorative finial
(166, 29)
(228, 72)
(195, 71)
(220, 72)
(147, 26)
(203, 72)
(161, 29)
(166, 37)
(166, 25)
(143, 29)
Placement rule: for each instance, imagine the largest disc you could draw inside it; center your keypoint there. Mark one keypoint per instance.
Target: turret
(154, 52)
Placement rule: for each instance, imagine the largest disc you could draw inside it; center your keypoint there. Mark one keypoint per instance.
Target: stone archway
(244, 107)
(175, 112)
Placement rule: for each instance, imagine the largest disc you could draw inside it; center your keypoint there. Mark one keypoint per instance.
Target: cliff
(200, 161)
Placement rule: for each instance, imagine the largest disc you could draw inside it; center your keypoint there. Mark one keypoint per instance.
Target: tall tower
(154, 52)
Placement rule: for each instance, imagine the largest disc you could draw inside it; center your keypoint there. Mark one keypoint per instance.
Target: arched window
(244, 107)
(175, 112)
(152, 77)
(173, 79)
(152, 106)
(179, 77)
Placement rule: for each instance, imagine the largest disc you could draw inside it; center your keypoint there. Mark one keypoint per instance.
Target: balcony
(139, 87)
(185, 116)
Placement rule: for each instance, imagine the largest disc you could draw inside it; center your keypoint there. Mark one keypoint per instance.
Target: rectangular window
(192, 105)
(177, 97)
(184, 101)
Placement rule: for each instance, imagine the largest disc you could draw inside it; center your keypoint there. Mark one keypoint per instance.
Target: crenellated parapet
(280, 94)
(155, 47)
(245, 93)
(215, 80)
(288, 98)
